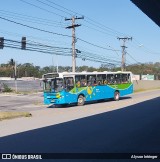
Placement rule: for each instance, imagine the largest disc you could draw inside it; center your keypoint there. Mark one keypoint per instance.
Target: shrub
(6, 88)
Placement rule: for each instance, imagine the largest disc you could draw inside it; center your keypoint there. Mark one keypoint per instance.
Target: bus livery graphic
(67, 88)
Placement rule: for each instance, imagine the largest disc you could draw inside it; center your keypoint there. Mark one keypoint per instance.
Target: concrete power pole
(73, 26)
(123, 66)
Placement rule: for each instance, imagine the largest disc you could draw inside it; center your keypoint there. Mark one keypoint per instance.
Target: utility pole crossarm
(67, 19)
(73, 26)
(79, 17)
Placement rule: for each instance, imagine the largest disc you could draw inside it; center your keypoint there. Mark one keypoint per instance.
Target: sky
(104, 21)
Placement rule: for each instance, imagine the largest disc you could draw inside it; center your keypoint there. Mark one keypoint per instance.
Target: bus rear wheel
(81, 100)
(116, 96)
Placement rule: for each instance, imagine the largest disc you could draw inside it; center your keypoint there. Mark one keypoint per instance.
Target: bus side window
(69, 83)
(80, 81)
(101, 79)
(77, 80)
(78, 84)
(83, 83)
(91, 80)
(110, 79)
(104, 79)
(117, 78)
(124, 78)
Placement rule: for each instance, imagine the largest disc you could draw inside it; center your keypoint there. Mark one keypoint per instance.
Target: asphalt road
(20, 102)
(34, 102)
(132, 129)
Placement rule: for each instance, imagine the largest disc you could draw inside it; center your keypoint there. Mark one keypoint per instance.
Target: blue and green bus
(81, 87)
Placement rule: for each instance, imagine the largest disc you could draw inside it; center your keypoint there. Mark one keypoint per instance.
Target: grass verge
(11, 115)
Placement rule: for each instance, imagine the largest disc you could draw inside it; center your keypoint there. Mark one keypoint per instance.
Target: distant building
(136, 77)
(147, 77)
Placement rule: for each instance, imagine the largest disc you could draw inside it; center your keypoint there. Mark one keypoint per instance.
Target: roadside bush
(6, 88)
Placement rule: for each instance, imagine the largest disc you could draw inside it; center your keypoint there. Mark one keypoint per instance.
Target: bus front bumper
(52, 100)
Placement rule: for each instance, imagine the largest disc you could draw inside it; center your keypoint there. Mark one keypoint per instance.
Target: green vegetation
(11, 115)
(29, 70)
(6, 88)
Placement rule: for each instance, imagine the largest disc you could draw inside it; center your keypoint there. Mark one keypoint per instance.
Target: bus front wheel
(81, 100)
(116, 96)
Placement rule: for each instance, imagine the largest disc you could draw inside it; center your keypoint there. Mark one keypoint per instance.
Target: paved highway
(130, 125)
(34, 102)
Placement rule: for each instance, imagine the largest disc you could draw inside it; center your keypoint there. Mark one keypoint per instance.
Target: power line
(43, 45)
(98, 56)
(33, 21)
(37, 19)
(143, 47)
(42, 48)
(133, 58)
(12, 45)
(52, 7)
(42, 30)
(97, 60)
(100, 53)
(31, 4)
(75, 13)
(69, 36)
(31, 27)
(103, 32)
(101, 26)
(92, 22)
(96, 45)
(48, 41)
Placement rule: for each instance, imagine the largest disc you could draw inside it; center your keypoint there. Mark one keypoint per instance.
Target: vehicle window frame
(91, 80)
(101, 80)
(110, 80)
(68, 87)
(80, 81)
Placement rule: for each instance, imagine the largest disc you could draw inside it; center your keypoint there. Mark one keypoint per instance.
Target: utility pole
(73, 26)
(123, 66)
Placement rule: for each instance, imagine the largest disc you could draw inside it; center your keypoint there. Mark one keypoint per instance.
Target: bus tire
(81, 100)
(116, 96)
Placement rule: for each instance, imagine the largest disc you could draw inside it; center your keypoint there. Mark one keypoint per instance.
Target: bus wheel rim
(117, 96)
(80, 100)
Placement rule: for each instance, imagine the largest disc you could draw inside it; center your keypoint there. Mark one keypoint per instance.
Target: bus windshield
(53, 85)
